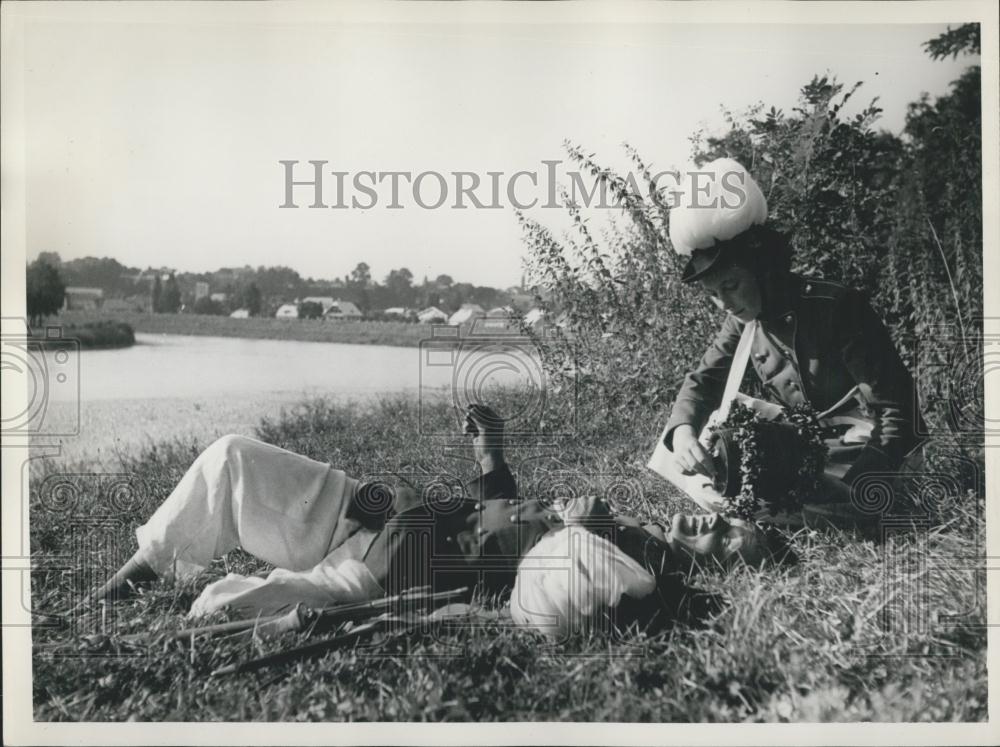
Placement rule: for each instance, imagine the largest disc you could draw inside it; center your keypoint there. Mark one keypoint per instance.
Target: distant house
(200, 290)
(342, 310)
(121, 304)
(219, 297)
(534, 317)
(499, 318)
(468, 312)
(432, 315)
(325, 301)
(398, 312)
(240, 314)
(83, 299)
(287, 311)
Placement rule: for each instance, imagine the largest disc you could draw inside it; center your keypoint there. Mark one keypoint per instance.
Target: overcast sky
(160, 144)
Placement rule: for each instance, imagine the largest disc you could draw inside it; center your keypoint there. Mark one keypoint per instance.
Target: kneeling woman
(812, 342)
(332, 541)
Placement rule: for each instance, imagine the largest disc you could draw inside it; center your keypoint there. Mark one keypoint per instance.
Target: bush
(897, 217)
(620, 302)
(107, 334)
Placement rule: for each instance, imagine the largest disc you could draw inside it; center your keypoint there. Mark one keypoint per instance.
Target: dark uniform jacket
(480, 540)
(816, 341)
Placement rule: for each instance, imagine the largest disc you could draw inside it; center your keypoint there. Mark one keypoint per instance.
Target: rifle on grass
(393, 625)
(302, 617)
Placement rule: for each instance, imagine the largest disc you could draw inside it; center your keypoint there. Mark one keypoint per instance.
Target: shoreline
(396, 334)
(110, 428)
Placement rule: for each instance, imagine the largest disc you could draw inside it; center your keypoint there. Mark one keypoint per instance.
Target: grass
(306, 330)
(840, 636)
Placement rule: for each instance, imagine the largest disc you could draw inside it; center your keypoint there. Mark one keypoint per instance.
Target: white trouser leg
(280, 506)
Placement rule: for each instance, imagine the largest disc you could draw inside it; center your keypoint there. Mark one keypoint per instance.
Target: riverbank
(817, 642)
(104, 334)
(264, 328)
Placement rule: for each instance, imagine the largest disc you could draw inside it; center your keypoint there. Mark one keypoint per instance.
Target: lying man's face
(710, 539)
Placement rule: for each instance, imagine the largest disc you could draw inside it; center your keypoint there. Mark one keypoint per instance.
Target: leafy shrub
(897, 217)
(102, 334)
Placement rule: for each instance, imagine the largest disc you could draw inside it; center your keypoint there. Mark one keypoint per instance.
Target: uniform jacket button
(808, 287)
(788, 319)
(513, 518)
(511, 501)
(478, 507)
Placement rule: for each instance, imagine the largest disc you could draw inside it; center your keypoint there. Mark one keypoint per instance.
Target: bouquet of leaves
(764, 451)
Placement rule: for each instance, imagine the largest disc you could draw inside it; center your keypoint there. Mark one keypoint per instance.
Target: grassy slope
(308, 330)
(800, 644)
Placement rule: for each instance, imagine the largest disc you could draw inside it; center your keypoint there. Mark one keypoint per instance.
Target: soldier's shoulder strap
(818, 288)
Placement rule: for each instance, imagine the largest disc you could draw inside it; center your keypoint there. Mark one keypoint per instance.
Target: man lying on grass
(333, 539)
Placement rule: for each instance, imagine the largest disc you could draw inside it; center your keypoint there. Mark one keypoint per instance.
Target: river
(162, 366)
(100, 402)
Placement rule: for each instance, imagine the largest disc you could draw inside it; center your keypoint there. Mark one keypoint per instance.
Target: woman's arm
(702, 389)
(885, 383)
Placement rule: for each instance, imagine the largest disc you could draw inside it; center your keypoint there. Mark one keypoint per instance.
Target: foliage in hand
(744, 425)
(899, 217)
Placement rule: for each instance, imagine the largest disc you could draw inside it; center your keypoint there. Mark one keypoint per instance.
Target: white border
(18, 727)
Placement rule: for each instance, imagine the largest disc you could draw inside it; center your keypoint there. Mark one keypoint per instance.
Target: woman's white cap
(718, 201)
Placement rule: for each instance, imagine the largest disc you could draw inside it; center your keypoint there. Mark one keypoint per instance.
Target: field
(855, 631)
(306, 330)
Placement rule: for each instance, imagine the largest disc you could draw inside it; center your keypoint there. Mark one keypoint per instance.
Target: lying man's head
(711, 539)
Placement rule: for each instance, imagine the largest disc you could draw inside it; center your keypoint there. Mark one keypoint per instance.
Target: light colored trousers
(281, 507)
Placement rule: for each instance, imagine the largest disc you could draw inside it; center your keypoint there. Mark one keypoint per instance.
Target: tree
(953, 42)
(399, 283)
(157, 294)
(361, 276)
(252, 299)
(310, 310)
(205, 305)
(170, 302)
(443, 281)
(45, 290)
(52, 258)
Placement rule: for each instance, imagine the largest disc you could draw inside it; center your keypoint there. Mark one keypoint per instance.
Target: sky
(160, 144)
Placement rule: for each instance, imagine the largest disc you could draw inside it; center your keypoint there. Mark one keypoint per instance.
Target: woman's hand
(691, 457)
(486, 429)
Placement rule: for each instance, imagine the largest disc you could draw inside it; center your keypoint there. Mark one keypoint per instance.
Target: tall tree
(52, 258)
(399, 283)
(157, 294)
(361, 276)
(171, 299)
(45, 290)
(252, 299)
